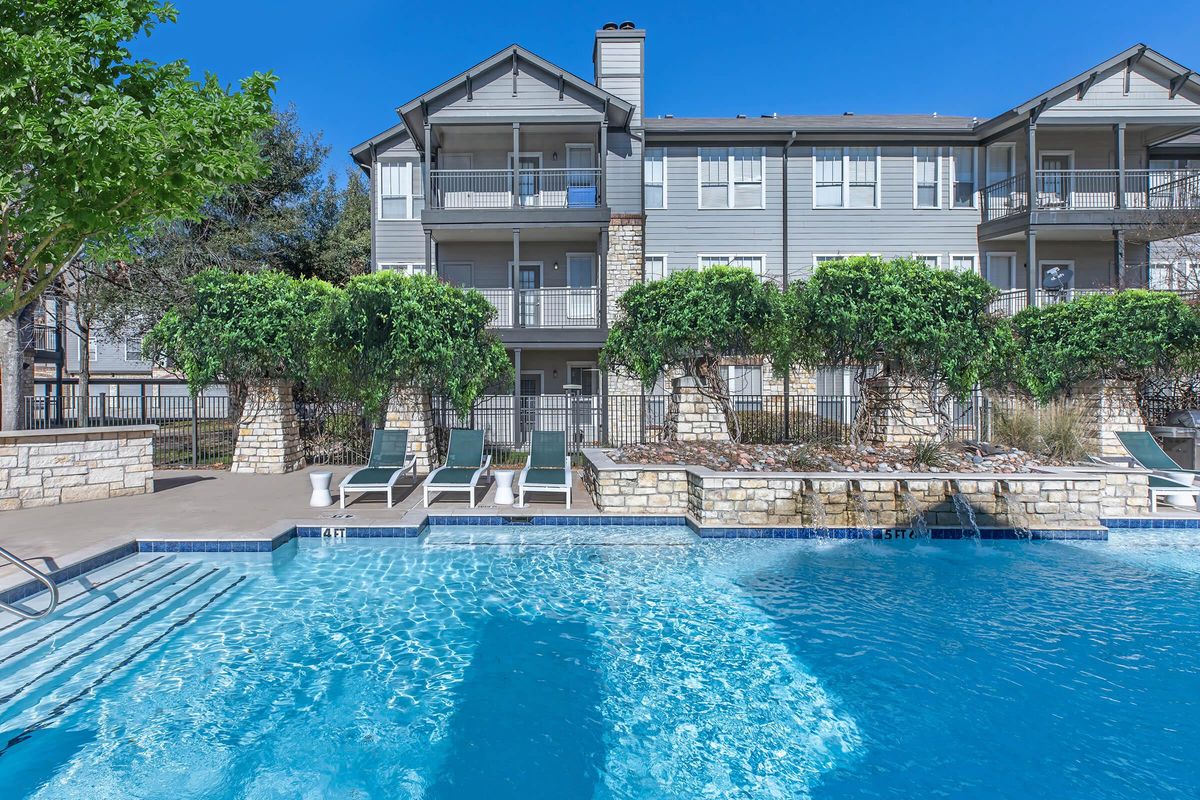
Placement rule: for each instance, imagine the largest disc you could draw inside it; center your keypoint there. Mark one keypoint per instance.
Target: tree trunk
(10, 366)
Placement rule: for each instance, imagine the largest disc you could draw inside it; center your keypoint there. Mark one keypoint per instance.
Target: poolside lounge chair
(1173, 491)
(1170, 480)
(388, 462)
(465, 464)
(548, 467)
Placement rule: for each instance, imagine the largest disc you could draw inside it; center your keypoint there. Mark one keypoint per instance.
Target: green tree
(1128, 335)
(387, 330)
(244, 328)
(343, 249)
(687, 322)
(923, 325)
(96, 146)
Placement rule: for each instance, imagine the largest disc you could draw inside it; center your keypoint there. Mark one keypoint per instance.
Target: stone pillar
(696, 418)
(1107, 406)
(409, 409)
(624, 265)
(896, 413)
(268, 441)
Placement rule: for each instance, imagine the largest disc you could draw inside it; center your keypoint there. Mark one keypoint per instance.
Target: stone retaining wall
(49, 467)
(1060, 499)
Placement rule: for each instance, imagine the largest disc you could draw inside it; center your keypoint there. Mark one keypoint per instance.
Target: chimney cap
(608, 26)
(847, 113)
(741, 116)
(627, 25)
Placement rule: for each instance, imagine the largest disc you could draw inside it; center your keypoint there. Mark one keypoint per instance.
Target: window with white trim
(963, 263)
(845, 177)
(745, 386)
(754, 263)
(403, 268)
(927, 178)
(930, 259)
(400, 194)
(731, 177)
(963, 169)
(133, 349)
(656, 268)
(656, 177)
(821, 259)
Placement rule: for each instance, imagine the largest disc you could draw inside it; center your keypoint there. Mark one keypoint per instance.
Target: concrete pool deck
(219, 505)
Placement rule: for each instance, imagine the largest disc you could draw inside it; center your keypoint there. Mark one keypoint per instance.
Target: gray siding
(492, 91)
(108, 358)
(1149, 94)
(624, 189)
(396, 241)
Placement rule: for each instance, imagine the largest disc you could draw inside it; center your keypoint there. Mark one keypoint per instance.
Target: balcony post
(1119, 135)
(427, 177)
(1119, 257)
(1031, 269)
(602, 192)
(516, 163)
(516, 319)
(1031, 164)
(429, 269)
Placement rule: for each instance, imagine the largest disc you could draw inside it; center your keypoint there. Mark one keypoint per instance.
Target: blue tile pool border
(1148, 523)
(894, 534)
(30, 588)
(554, 519)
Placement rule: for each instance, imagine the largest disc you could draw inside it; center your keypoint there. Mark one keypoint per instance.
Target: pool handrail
(36, 575)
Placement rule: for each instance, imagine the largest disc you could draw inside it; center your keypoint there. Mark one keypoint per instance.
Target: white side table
(320, 489)
(504, 481)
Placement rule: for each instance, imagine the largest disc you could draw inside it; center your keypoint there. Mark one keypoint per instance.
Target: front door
(529, 167)
(584, 413)
(581, 295)
(999, 270)
(529, 281)
(1054, 180)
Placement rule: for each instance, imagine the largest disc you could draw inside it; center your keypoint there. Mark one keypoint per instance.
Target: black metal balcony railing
(496, 188)
(562, 307)
(1012, 301)
(1094, 190)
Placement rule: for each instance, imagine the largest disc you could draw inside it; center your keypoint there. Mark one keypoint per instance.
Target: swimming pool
(674, 669)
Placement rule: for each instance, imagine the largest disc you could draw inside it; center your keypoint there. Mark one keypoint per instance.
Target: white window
(1001, 161)
(400, 195)
(745, 386)
(1001, 270)
(846, 177)
(963, 166)
(656, 267)
(403, 268)
(821, 259)
(133, 349)
(754, 263)
(930, 259)
(656, 178)
(731, 177)
(962, 263)
(927, 177)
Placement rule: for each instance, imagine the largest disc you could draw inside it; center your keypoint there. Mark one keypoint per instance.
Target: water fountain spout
(811, 498)
(912, 509)
(963, 509)
(1013, 509)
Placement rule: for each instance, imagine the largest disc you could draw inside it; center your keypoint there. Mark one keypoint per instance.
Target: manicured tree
(389, 331)
(927, 329)
(689, 321)
(1126, 336)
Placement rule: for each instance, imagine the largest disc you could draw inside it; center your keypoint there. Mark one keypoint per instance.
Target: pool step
(557, 536)
(96, 638)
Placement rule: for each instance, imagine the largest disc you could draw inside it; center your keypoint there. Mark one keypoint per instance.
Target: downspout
(371, 202)
(787, 375)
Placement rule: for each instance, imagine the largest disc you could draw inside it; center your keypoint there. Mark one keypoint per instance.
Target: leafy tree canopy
(244, 328)
(915, 320)
(96, 146)
(1127, 335)
(387, 330)
(688, 321)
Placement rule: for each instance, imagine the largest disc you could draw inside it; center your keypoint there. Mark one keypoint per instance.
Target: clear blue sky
(346, 64)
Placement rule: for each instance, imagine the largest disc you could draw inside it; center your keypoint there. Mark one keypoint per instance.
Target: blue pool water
(676, 669)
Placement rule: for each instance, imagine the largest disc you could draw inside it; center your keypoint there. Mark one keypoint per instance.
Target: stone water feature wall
(1061, 499)
(49, 467)
(268, 437)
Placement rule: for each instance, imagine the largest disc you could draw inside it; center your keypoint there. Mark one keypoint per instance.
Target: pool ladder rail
(36, 575)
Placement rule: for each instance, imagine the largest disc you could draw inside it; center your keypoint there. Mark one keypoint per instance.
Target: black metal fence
(1160, 397)
(334, 432)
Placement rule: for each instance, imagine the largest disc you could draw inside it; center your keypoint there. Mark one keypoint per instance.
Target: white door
(1054, 180)
(581, 296)
(1000, 270)
(581, 176)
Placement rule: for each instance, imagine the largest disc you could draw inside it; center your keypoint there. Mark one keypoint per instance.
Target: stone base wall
(694, 416)
(1063, 499)
(896, 413)
(268, 440)
(625, 261)
(49, 467)
(1108, 407)
(410, 410)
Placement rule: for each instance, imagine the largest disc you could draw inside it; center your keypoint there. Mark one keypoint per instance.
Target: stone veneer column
(696, 417)
(1108, 406)
(410, 409)
(624, 266)
(268, 441)
(895, 413)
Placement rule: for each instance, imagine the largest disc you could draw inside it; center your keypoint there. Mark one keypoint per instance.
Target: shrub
(1127, 335)
(1054, 431)
(928, 453)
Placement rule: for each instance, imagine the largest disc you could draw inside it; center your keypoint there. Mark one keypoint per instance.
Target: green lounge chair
(388, 462)
(465, 464)
(1170, 480)
(548, 467)
(1174, 492)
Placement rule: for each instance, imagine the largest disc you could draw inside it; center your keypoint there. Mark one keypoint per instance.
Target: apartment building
(552, 194)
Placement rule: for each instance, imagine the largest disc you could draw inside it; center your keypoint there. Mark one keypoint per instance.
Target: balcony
(466, 189)
(556, 308)
(1094, 190)
(1012, 301)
